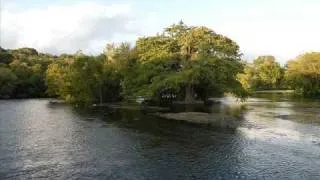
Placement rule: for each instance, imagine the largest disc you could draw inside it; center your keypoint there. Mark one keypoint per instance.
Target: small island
(185, 64)
(212, 119)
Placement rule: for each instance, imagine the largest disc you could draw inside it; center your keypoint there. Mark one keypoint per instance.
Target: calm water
(278, 139)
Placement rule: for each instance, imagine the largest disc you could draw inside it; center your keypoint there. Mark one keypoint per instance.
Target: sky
(283, 28)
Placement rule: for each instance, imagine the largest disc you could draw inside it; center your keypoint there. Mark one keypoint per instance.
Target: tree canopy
(303, 74)
(264, 73)
(181, 63)
(189, 63)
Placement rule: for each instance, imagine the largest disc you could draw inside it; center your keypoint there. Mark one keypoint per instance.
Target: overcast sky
(283, 28)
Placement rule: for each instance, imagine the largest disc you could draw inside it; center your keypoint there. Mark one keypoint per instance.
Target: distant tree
(55, 80)
(268, 72)
(303, 74)
(248, 78)
(263, 74)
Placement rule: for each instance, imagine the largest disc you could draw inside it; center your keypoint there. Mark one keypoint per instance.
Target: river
(278, 138)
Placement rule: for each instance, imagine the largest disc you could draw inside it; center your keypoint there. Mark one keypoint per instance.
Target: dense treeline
(22, 73)
(303, 74)
(181, 63)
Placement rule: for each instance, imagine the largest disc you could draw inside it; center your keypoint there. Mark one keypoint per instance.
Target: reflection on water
(278, 139)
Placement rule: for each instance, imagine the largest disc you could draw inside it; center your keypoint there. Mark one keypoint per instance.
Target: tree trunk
(189, 97)
(101, 99)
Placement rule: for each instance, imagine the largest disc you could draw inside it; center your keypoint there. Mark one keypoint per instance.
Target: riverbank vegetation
(182, 63)
(264, 73)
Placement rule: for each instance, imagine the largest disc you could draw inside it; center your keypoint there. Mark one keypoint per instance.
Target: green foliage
(72, 80)
(7, 82)
(146, 78)
(182, 63)
(248, 78)
(25, 52)
(28, 67)
(263, 74)
(156, 47)
(186, 62)
(5, 56)
(268, 71)
(303, 74)
(83, 79)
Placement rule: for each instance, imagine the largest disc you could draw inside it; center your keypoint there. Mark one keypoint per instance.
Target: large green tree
(198, 63)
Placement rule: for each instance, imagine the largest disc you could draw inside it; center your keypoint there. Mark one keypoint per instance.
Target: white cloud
(57, 29)
(284, 29)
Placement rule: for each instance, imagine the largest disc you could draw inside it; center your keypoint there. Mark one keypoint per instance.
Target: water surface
(278, 139)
